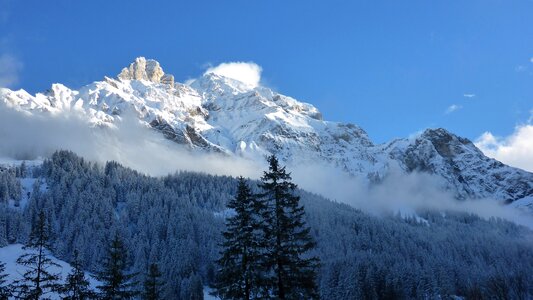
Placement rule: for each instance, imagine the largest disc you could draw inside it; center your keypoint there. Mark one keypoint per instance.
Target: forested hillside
(176, 222)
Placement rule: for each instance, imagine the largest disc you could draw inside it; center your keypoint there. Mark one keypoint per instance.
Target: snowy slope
(9, 255)
(222, 115)
(525, 204)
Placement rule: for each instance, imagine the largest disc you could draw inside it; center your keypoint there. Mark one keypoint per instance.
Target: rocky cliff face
(142, 69)
(464, 167)
(222, 115)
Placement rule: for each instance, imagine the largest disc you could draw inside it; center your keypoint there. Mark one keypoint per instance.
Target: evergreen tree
(152, 283)
(77, 286)
(3, 227)
(4, 190)
(38, 279)
(191, 288)
(23, 169)
(238, 277)
(292, 273)
(5, 289)
(116, 284)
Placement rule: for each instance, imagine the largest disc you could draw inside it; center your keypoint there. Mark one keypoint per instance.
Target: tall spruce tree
(5, 289)
(77, 286)
(292, 272)
(116, 283)
(152, 283)
(239, 273)
(38, 280)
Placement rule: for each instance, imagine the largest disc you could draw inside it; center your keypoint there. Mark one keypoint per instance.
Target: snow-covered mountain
(223, 115)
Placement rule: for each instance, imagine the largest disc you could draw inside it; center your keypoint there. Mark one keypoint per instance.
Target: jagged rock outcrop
(143, 69)
(168, 79)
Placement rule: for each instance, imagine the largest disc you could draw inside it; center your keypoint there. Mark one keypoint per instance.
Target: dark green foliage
(292, 272)
(5, 289)
(37, 280)
(152, 283)
(239, 276)
(116, 283)
(77, 285)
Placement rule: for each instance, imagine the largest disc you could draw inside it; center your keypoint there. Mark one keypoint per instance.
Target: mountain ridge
(222, 115)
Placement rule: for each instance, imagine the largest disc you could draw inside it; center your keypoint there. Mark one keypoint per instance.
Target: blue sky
(392, 67)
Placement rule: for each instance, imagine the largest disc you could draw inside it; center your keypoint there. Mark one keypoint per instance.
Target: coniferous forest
(170, 237)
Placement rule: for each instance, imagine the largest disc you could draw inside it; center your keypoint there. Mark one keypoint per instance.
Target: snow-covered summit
(219, 114)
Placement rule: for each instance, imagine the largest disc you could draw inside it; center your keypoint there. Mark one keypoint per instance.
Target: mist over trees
(176, 221)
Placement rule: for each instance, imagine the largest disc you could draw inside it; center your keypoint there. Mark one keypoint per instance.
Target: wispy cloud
(452, 108)
(246, 72)
(10, 68)
(523, 67)
(468, 95)
(520, 68)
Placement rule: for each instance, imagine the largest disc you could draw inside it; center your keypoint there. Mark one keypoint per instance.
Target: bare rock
(168, 79)
(143, 69)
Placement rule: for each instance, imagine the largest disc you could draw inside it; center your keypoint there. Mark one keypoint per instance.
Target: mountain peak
(146, 69)
(443, 136)
(219, 84)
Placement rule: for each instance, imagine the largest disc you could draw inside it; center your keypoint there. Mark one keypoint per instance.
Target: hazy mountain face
(225, 126)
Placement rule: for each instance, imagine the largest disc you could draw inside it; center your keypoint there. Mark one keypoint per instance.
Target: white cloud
(130, 143)
(10, 67)
(515, 150)
(469, 95)
(247, 72)
(531, 60)
(452, 108)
